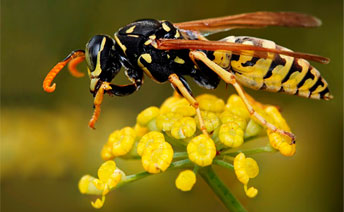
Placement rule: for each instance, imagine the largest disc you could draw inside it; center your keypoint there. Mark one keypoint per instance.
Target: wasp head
(102, 60)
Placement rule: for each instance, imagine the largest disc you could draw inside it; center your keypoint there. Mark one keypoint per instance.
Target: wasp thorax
(101, 57)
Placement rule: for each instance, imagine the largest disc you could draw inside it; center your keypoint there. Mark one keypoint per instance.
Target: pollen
(201, 150)
(211, 121)
(186, 180)
(183, 128)
(157, 157)
(147, 115)
(231, 134)
(122, 141)
(210, 103)
(149, 139)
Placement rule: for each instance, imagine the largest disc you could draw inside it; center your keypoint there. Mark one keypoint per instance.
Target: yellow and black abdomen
(279, 74)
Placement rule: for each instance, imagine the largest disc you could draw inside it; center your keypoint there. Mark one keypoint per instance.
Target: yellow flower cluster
(175, 125)
(108, 177)
(246, 168)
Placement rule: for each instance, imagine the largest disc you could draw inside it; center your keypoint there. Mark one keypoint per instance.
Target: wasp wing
(250, 20)
(235, 48)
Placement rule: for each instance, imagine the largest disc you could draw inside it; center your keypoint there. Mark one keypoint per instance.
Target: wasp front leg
(178, 84)
(230, 78)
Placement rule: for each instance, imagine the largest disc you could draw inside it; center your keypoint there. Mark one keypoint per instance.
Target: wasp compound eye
(101, 57)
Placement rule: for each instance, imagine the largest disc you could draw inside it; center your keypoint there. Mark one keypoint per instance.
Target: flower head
(121, 141)
(183, 128)
(210, 103)
(186, 180)
(201, 150)
(149, 139)
(157, 157)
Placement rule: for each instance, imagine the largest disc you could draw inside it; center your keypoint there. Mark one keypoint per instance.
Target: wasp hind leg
(178, 84)
(230, 78)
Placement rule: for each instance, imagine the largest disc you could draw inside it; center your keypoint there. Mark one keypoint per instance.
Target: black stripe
(251, 62)
(319, 82)
(294, 68)
(307, 76)
(278, 60)
(325, 91)
(281, 89)
(235, 57)
(263, 87)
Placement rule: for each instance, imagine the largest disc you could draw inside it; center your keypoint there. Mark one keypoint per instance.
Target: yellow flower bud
(147, 115)
(86, 185)
(201, 150)
(251, 192)
(122, 141)
(98, 203)
(140, 131)
(108, 174)
(231, 134)
(253, 129)
(149, 139)
(186, 180)
(210, 103)
(157, 157)
(277, 117)
(287, 149)
(184, 128)
(276, 139)
(237, 106)
(106, 153)
(245, 168)
(228, 116)
(178, 105)
(211, 121)
(164, 122)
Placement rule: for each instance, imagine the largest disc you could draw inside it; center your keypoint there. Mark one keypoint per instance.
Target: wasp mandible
(166, 52)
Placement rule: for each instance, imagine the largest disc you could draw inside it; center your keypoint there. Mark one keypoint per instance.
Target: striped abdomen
(280, 74)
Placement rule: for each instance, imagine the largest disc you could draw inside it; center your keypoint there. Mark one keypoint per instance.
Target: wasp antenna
(78, 54)
(73, 64)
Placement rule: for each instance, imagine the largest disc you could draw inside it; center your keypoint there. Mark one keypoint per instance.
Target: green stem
(141, 175)
(224, 164)
(267, 148)
(221, 190)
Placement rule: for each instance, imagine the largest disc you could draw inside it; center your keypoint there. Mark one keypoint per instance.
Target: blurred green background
(46, 145)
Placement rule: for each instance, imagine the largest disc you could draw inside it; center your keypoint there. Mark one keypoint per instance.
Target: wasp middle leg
(230, 78)
(177, 83)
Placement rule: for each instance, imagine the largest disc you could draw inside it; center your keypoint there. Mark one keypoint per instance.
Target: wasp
(167, 52)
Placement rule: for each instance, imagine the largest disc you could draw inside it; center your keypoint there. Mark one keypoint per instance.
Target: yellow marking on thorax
(124, 48)
(147, 57)
(130, 30)
(179, 60)
(165, 27)
(98, 69)
(134, 36)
